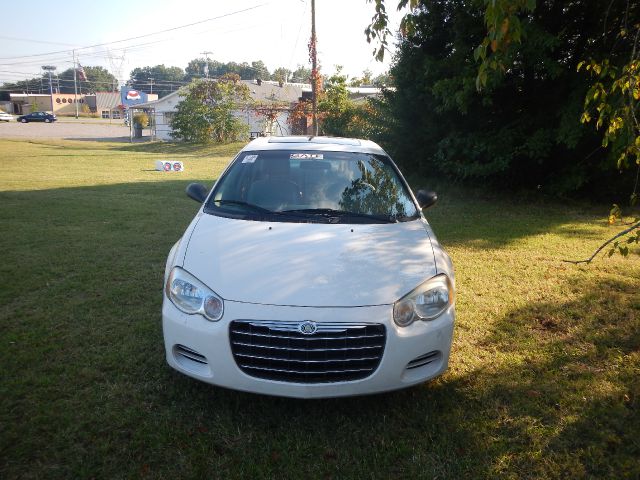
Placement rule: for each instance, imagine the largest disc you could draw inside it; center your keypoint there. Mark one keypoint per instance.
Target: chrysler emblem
(307, 328)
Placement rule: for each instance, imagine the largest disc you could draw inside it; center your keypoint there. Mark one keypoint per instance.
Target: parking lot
(68, 128)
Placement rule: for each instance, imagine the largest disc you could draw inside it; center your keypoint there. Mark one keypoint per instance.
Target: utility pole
(151, 83)
(314, 69)
(75, 82)
(49, 69)
(206, 65)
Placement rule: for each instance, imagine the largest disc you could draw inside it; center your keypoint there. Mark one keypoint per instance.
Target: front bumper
(211, 341)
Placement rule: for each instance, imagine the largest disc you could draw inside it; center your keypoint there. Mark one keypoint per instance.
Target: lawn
(544, 379)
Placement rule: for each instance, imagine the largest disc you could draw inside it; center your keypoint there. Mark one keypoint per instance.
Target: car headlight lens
(426, 302)
(192, 296)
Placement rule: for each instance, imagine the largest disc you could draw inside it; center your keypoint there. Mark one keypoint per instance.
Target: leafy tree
(339, 114)
(196, 69)
(207, 112)
(366, 79)
(259, 70)
(281, 74)
(523, 129)
(165, 79)
(334, 105)
(524, 61)
(301, 74)
(383, 80)
(99, 79)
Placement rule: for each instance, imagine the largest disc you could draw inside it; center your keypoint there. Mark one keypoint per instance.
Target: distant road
(68, 128)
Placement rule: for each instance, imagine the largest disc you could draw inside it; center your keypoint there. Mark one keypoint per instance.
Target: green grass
(543, 381)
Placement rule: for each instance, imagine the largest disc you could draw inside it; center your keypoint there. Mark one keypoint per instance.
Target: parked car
(37, 117)
(309, 271)
(5, 117)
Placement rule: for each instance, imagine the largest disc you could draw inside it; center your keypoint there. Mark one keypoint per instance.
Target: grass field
(544, 380)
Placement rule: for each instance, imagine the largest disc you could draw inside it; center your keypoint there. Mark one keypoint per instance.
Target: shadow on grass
(120, 139)
(86, 391)
(563, 402)
(230, 149)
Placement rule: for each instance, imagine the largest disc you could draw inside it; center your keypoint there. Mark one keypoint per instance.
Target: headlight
(192, 296)
(425, 302)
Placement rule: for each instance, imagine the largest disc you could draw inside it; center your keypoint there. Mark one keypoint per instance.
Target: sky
(274, 31)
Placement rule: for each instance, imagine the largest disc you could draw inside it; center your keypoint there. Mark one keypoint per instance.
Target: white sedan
(309, 271)
(5, 117)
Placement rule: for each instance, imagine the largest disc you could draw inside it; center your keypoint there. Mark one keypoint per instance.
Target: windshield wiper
(256, 208)
(332, 213)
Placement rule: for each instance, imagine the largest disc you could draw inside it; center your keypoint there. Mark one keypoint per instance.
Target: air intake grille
(335, 352)
(423, 360)
(190, 354)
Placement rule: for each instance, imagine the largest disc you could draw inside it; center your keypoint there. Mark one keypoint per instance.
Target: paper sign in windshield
(306, 156)
(249, 158)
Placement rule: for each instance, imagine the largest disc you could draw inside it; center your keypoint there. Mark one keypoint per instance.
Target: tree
(281, 74)
(364, 80)
(99, 79)
(383, 80)
(536, 49)
(301, 74)
(196, 69)
(163, 80)
(339, 114)
(259, 70)
(206, 114)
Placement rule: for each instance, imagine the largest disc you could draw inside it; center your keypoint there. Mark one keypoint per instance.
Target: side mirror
(426, 198)
(197, 191)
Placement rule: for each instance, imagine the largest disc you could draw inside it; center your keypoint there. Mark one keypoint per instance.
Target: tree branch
(588, 260)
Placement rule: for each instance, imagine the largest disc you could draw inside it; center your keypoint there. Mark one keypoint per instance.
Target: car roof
(327, 144)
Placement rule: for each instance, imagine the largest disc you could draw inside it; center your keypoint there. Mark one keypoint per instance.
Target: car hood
(309, 264)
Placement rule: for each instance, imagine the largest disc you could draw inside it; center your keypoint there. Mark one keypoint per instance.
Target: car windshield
(312, 186)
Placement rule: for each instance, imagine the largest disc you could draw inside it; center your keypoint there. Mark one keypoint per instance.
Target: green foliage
(612, 101)
(301, 74)
(99, 79)
(206, 114)
(216, 69)
(523, 129)
(341, 116)
(165, 79)
(141, 120)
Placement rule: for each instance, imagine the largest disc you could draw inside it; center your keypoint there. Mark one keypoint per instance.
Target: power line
(142, 36)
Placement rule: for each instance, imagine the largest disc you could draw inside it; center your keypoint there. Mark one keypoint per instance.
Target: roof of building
(265, 92)
(107, 100)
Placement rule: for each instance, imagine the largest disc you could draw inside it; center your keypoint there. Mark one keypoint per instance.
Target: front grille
(336, 352)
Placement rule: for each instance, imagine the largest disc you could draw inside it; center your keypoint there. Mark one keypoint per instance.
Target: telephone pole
(75, 82)
(314, 70)
(49, 69)
(151, 83)
(206, 65)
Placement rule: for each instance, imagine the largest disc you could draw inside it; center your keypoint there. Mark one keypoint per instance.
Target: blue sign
(131, 97)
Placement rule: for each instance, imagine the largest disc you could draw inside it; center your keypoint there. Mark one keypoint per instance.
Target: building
(23, 103)
(267, 116)
(104, 104)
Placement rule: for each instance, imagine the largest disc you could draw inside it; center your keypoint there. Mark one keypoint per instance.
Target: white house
(264, 93)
